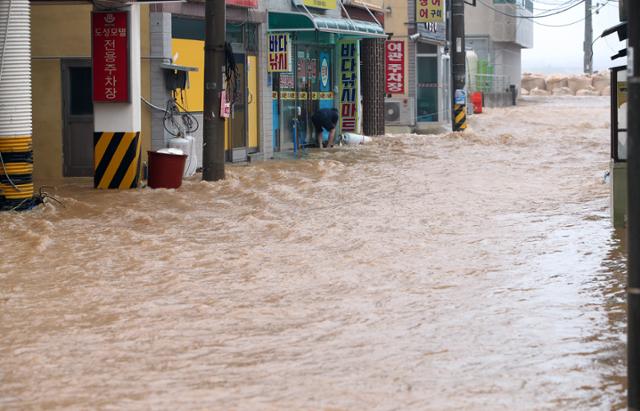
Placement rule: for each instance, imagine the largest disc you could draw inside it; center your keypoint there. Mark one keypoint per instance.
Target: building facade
(321, 44)
(497, 31)
(77, 136)
(418, 71)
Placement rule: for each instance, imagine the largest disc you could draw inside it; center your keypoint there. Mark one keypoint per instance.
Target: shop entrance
(301, 93)
(314, 85)
(236, 125)
(242, 127)
(307, 86)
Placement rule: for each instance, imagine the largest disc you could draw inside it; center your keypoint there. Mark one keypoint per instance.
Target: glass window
(252, 37)
(80, 91)
(426, 48)
(427, 108)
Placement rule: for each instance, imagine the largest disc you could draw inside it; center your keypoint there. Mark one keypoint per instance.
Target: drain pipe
(16, 155)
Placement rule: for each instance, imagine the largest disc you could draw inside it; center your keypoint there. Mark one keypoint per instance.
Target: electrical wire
(517, 16)
(152, 105)
(572, 23)
(6, 174)
(189, 122)
(231, 75)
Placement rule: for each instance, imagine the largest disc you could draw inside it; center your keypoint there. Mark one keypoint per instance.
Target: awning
(292, 21)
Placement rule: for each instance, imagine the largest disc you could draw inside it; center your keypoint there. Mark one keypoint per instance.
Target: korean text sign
(349, 90)
(279, 53)
(110, 52)
(394, 66)
(244, 3)
(321, 4)
(430, 11)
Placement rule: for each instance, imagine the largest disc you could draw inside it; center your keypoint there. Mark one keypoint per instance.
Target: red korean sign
(244, 3)
(110, 52)
(394, 66)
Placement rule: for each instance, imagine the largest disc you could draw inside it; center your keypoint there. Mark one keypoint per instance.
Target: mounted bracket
(176, 77)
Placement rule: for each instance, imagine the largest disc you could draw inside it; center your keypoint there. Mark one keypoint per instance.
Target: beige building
(63, 119)
(423, 104)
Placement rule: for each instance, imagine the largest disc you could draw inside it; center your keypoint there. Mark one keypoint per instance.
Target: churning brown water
(442, 272)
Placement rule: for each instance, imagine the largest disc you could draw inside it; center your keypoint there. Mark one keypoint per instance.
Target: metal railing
(489, 83)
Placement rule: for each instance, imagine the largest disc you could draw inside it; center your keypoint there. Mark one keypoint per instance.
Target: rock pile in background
(562, 85)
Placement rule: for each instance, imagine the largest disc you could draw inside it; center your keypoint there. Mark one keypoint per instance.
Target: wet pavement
(420, 272)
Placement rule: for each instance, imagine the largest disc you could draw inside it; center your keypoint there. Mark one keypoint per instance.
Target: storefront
(417, 72)
(432, 76)
(314, 63)
(242, 136)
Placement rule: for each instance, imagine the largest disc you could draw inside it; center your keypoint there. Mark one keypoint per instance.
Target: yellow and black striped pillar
(16, 173)
(116, 159)
(459, 117)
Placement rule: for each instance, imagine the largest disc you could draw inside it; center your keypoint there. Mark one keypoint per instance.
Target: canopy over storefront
(292, 21)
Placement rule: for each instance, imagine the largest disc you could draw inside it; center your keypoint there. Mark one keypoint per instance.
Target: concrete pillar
(161, 51)
(117, 125)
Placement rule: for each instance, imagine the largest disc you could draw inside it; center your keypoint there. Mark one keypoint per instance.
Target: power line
(517, 16)
(572, 23)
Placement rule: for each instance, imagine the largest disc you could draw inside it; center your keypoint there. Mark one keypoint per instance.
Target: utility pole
(214, 62)
(458, 66)
(588, 39)
(633, 219)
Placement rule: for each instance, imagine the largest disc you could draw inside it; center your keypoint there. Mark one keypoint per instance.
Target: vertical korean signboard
(429, 11)
(279, 53)
(349, 87)
(394, 66)
(110, 52)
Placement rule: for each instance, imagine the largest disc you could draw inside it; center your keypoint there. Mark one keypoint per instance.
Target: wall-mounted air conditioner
(399, 111)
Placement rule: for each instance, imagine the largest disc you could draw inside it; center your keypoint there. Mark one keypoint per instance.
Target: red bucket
(165, 170)
(476, 99)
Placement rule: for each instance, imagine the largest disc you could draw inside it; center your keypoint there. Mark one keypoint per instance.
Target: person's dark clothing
(325, 118)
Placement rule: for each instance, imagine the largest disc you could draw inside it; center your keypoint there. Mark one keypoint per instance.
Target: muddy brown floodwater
(438, 272)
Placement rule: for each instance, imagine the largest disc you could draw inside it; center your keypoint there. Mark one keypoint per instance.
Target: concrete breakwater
(596, 84)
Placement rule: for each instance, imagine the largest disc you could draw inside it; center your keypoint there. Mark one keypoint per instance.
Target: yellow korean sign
(430, 11)
(377, 5)
(321, 4)
(279, 53)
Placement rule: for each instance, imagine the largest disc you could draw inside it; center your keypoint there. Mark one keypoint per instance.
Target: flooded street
(438, 272)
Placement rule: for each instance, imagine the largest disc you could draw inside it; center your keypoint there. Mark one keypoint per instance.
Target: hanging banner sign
(430, 11)
(394, 66)
(243, 3)
(320, 4)
(110, 53)
(349, 87)
(279, 53)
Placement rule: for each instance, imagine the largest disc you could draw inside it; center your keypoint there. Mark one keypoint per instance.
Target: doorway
(300, 94)
(77, 118)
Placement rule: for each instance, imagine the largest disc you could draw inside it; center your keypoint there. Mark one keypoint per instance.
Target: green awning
(291, 21)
